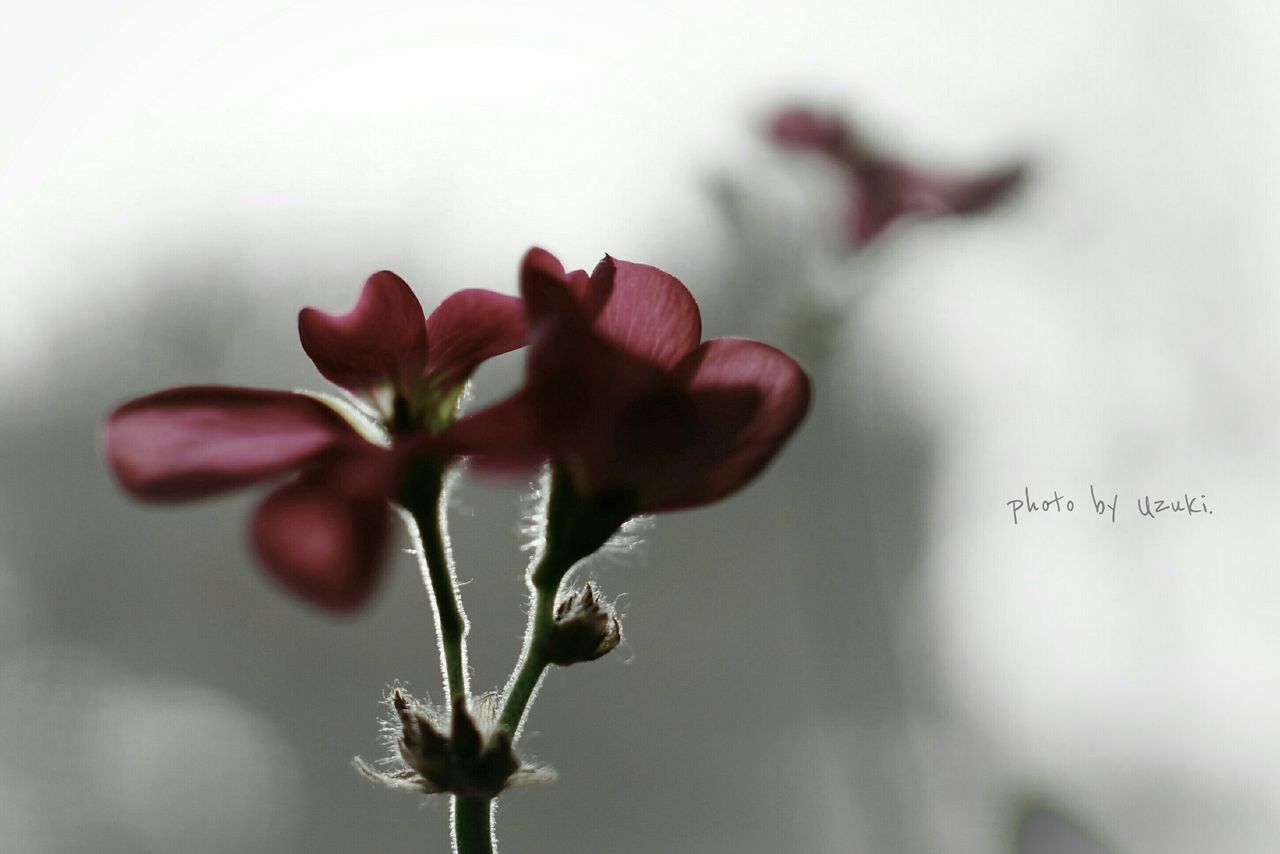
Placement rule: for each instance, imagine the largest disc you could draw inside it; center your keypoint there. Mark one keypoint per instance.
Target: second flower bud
(586, 628)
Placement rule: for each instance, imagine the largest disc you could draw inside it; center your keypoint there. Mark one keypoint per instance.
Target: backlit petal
(324, 545)
(382, 339)
(196, 441)
(500, 439)
(548, 290)
(469, 327)
(650, 314)
(666, 442)
(783, 391)
(578, 386)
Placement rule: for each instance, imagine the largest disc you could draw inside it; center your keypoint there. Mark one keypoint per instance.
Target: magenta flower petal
(783, 391)
(468, 327)
(321, 543)
(650, 314)
(882, 189)
(873, 207)
(614, 403)
(501, 439)
(201, 440)
(548, 290)
(579, 385)
(941, 194)
(881, 192)
(572, 368)
(800, 127)
(666, 442)
(382, 339)
(921, 192)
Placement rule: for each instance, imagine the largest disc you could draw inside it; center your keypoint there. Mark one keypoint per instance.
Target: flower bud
(474, 760)
(585, 629)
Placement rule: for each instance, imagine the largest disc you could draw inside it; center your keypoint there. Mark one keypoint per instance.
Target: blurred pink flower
(882, 190)
(324, 533)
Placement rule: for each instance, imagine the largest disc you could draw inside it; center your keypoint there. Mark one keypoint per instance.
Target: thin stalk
(426, 504)
(544, 584)
(473, 826)
(575, 528)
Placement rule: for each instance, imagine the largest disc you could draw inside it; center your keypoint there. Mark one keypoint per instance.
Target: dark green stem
(544, 584)
(425, 501)
(576, 527)
(473, 826)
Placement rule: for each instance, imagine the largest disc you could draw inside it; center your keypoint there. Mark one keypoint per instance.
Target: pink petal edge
(196, 441)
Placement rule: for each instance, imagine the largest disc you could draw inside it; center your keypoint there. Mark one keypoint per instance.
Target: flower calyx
(579, 525)
(474, 759)
(585, 628)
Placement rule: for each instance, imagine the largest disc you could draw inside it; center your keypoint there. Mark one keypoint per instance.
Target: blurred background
(859, 653)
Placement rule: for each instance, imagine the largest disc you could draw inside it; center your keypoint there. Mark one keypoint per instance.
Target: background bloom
(882, 190)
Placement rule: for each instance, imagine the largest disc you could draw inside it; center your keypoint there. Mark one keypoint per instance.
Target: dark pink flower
(882, 190)
(323, 534)
(629, 401)
(385, 350)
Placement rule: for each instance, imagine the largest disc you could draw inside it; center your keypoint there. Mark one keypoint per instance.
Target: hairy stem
(473, 826)
(576, 527)
(533, 658)
(425, 501)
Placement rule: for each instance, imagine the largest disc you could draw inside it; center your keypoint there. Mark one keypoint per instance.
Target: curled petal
(783, 391)
(650, 314)
(321, 543)
(196, 441)
(382, 339)
(469, 327)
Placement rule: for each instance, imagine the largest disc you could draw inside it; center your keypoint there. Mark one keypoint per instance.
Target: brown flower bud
(474, 760)
(586, 628)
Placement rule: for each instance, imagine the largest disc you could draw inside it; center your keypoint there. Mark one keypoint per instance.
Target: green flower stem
(576, 527)
(473, 826)
(545, 584)
(425, 501)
